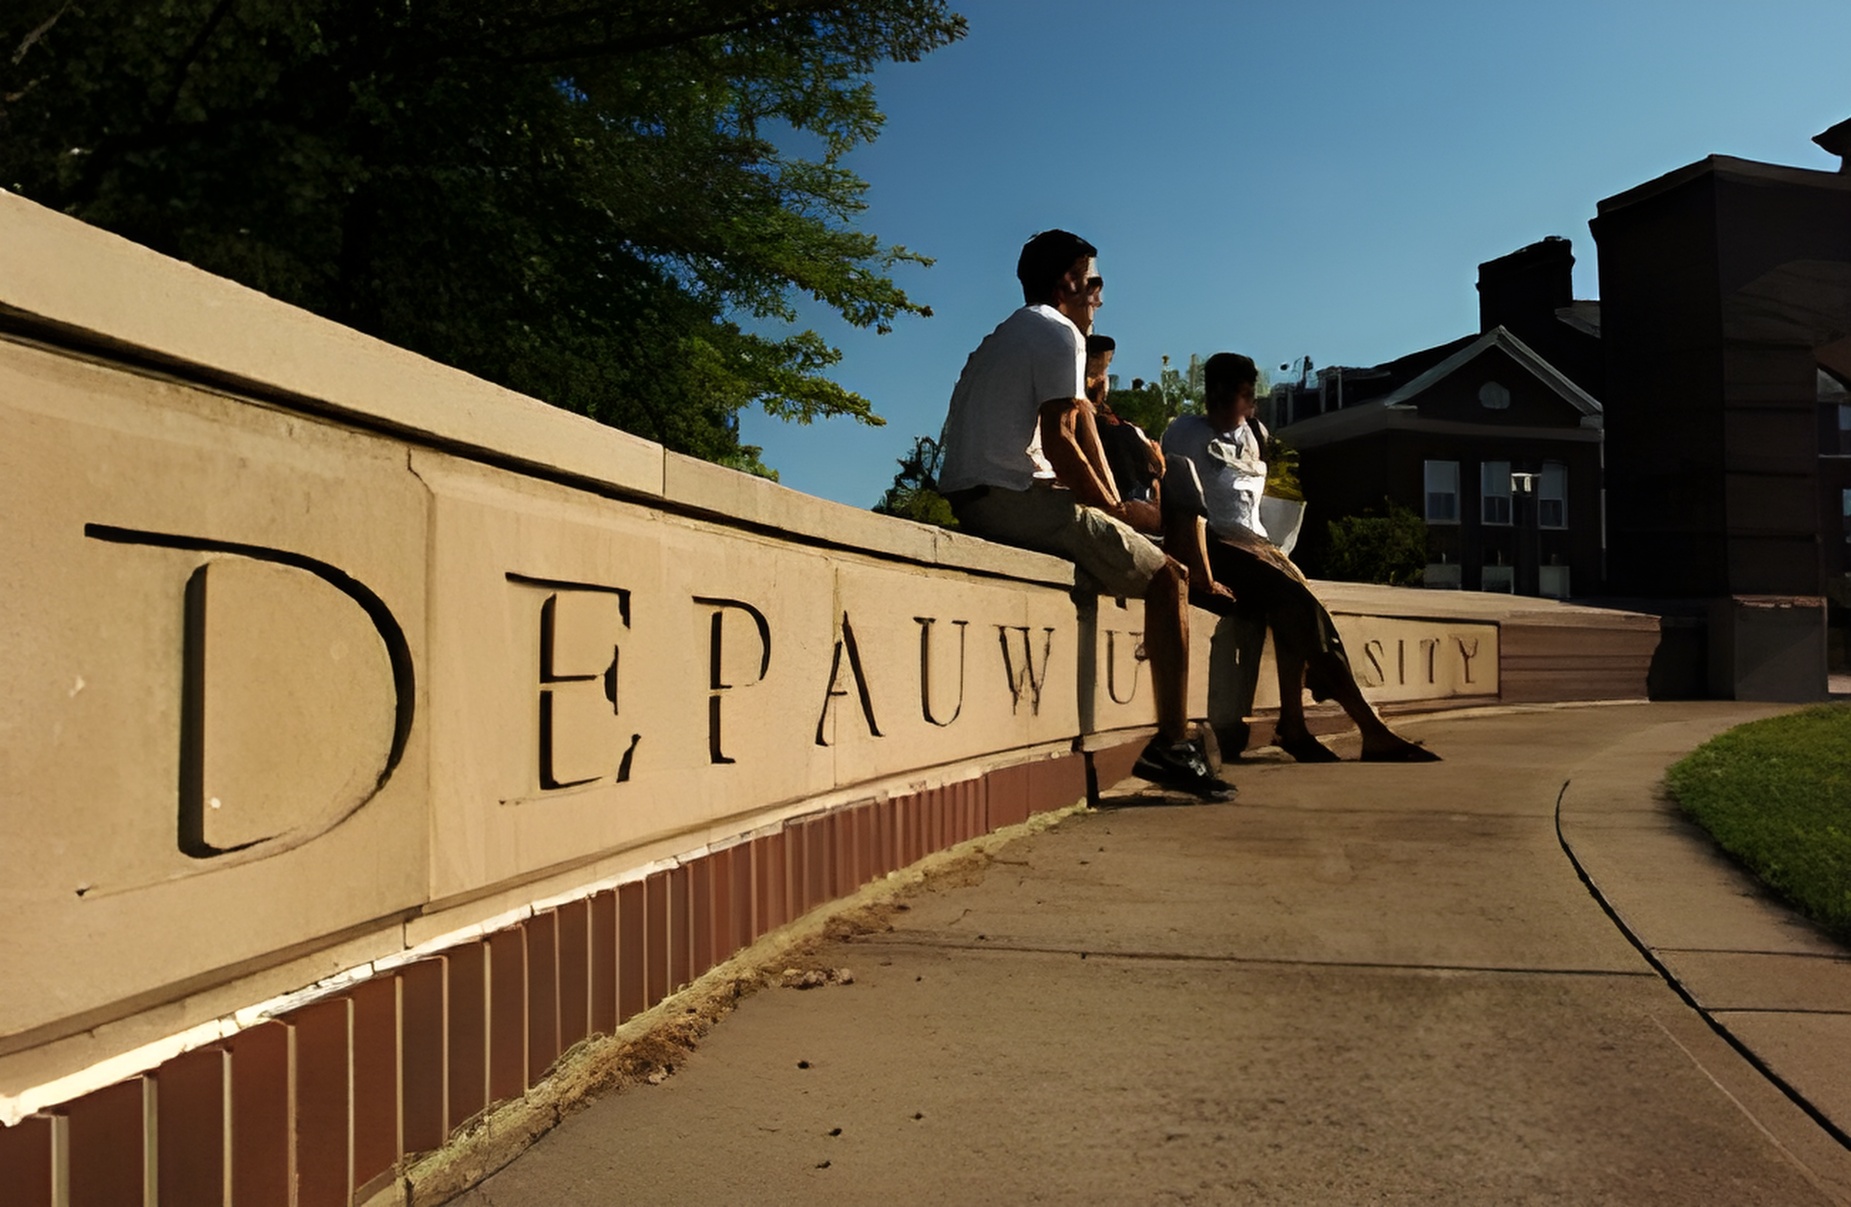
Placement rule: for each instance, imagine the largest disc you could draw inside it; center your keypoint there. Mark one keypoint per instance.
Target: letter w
(1027, 677)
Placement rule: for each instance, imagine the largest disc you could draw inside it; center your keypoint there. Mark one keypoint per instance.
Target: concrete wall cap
(62, 275)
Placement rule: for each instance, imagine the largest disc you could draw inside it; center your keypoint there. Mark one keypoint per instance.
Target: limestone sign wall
(279, 680)
(315, 655)
(321, 658)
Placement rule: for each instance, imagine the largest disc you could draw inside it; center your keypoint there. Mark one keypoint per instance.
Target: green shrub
(1372, 548)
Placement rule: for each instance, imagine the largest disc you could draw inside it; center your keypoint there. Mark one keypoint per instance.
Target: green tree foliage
(1390, 548)
(1282, 471)
(1152, 405)
(914, 493)
(586, 201)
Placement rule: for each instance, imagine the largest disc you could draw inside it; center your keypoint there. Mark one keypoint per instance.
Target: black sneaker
(1180, 767)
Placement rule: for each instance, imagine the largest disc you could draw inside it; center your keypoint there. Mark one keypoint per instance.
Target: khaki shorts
(1111, 557)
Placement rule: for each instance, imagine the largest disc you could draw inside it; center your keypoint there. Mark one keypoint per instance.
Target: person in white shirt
(1235, 475)
(1023, 466)
(1138, 470)
(1226, 447)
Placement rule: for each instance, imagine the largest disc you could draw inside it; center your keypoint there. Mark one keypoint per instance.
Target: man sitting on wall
(1227, 448)
(1138, 470)
(1023, 466)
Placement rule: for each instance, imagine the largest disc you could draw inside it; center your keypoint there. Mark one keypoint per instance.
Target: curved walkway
(1512, 977)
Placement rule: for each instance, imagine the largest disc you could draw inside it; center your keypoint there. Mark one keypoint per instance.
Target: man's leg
(1123, 562)
(1290, 663)
(1291, 734)
(1185, 533)
(1304, 638)
(1380, 743)
(1170, 759)
(1117, 561)
(1166, 641)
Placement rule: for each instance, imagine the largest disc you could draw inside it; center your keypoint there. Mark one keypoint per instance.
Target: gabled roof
(1518, 351)
(1406, 368)
(1397, 409)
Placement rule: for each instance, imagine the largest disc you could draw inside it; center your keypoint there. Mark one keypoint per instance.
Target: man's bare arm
(1070, 442)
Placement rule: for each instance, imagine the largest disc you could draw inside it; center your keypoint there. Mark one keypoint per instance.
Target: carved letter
(925, 669)
(1111, 667)
(1374, 675)
(1466, 655)
(1430, 647)
(579, 676)
(716, 675)
(297, 696)
(846, 642)
(1027, 677)
(1401, 661)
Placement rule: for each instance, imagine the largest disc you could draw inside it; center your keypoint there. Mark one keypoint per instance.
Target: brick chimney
(1521, 291)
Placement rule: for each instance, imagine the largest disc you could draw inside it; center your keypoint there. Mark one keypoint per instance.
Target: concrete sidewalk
(1355, 984)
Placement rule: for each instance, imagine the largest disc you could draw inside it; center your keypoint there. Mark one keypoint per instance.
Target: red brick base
(329, 1098)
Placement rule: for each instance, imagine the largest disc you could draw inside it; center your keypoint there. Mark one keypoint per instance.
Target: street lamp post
(1523, 517)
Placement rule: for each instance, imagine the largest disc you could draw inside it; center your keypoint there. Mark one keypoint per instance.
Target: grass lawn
(1777, 795)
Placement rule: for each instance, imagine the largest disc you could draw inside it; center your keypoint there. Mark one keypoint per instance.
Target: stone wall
(374, 734)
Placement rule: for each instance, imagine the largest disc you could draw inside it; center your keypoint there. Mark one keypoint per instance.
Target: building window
(1847, 503)
(1494, 492)
(1442, 492)
(1497, 578)
(1552, 495)
(1494, 397)
(1844, 428)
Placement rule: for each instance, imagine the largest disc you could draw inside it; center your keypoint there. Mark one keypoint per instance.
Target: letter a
(846, 642)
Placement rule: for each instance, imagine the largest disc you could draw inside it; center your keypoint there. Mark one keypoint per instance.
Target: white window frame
(1494, 487)
(1443, 576)
(1445, 476)
(1558, 471)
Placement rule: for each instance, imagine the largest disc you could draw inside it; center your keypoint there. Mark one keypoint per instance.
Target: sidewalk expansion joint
(1109, 805)
(1722, 1032)
(1779, 1010)
(922, 943)
(1828, 957)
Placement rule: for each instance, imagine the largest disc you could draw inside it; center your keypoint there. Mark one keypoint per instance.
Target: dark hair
(1045, 258)
(1228, 371)
(1099, 345)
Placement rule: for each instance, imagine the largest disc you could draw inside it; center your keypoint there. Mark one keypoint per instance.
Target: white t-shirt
(1233, 475)
(992, 433)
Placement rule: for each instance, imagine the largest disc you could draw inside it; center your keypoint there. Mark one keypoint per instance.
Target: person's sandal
(1306, 749)
(1407, 752)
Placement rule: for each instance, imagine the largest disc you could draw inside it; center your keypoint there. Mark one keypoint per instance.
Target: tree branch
(26, 42)
(184, 68)
(111, 148)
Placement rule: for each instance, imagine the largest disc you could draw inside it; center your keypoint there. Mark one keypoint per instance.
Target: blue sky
(1316, 179)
